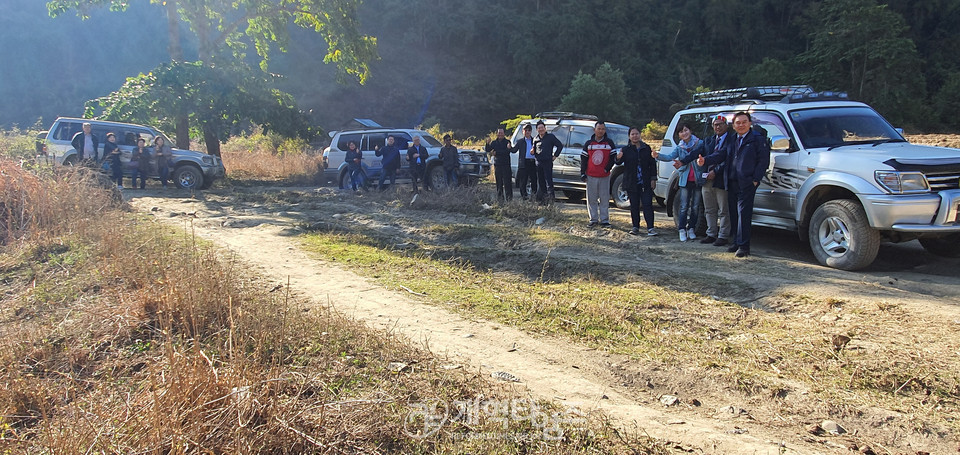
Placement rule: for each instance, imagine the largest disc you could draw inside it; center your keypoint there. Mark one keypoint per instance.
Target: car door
(777, 193)
(369, 144)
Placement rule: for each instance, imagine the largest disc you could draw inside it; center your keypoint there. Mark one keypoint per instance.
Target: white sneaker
(690, 234)
(651, 232)
(683, 235)
(119, 187)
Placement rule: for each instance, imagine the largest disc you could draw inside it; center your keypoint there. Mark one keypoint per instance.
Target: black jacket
(746, 163)
(351, 156)
(391, 157)
(501, 149)
(424, 154)
(77, 142)
(637, 158)
(450, 157)
(547, 147)
(521, 148)
(719, 169)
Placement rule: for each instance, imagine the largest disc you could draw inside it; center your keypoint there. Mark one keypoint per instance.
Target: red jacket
(597, 157)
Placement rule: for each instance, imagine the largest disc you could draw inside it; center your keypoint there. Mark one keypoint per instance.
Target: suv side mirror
(781, 144)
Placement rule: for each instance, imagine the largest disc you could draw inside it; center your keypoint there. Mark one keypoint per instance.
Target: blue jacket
(746, 163)
(687, 156)
(391, 157)
(719, 170)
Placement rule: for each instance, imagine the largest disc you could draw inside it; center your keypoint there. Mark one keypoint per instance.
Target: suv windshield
(839, 126)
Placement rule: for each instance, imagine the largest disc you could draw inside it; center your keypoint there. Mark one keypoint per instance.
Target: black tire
(574, 195)
(70, 160)
(345, 183)
(661, 201)
(188, 177)
(436, 178)
(841, 237)
(619, 194)
(947, 246)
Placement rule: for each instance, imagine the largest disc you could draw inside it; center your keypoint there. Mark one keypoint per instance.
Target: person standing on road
(716, 205)
(354, 160)
(690, 181)
(86, 143)
(747, 159)
(164, 155)
(417, 157)
(112, 152)
(451, 161)
(501, 149)
(639, 180)
(596, 160)
(546, 148)
(390, 162)
(526, 163)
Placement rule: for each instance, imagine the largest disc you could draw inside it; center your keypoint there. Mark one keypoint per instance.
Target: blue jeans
(164, 175)
(452, 178)
(392, 173)
(356, 178)
(689, 206)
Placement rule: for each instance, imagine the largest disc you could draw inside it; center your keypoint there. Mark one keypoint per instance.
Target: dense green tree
(602, 93)
(223, 28)
(218, 99)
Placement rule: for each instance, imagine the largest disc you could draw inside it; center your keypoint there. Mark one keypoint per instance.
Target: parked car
(573, 130)
(474, 165)
(840, 175)
(190, 169)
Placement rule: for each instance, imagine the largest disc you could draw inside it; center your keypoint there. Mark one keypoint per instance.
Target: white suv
(840, 175)
(193, 170)
(473, 165)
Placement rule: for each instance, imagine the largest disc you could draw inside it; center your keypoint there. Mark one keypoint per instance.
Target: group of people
(417, 156)
(535, 165)
(723, 172)
(144, 160)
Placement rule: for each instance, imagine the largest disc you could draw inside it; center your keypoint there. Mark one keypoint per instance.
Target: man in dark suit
(85, 143)
(417, 157)
(526, 163)
(747, 159)
(547, 148)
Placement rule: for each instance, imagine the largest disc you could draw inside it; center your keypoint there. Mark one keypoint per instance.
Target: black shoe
(604, 225)
(743, 252)
(634, 231)
(733, 248)
(708, 240)
(720, 242)
(592, 224)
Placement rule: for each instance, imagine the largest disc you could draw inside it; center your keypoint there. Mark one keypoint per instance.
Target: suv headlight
(208, 160)
(464, 158)
(902, 182)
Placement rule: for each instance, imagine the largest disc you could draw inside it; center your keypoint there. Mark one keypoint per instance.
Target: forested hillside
(471, 64)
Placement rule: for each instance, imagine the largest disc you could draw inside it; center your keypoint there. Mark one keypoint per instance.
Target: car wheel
(619, 193)
(345, 182)
(947, 246)
(573, 195)
(436, 178)
(70, 160)
(841, 237)
(188, 177)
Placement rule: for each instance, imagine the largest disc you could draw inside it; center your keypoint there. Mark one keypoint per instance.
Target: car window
(344, 141)
(401, 140)
(372, 141)
(430, 141)
(562, 133)
(131, 135)
(101, 132)
(66, 130)
(619, 135)
(832, 127)
(699, 124)
(771, 122)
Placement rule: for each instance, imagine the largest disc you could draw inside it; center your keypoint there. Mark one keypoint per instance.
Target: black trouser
(504, 181)
(545, 180)
(741, 212)
(642, 196)
(416, 174)
(527, 174)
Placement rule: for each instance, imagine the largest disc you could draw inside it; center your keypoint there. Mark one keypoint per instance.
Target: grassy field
(120, 336)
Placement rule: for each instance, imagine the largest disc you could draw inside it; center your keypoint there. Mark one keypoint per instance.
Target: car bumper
(923, 213)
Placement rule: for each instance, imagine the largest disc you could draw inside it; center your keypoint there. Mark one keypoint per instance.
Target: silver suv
(192, 170)
(473, 164)
(840, 175)
(573, 130)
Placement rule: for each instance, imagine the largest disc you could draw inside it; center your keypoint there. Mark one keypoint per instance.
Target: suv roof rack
(559, 115)
(750, 94)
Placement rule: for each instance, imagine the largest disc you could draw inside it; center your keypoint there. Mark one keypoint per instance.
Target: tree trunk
(212, 139)
(175, 50)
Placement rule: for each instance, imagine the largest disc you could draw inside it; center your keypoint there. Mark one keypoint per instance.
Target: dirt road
(261, 225)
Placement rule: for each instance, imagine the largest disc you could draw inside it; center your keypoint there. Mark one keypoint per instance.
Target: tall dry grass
(118, 335)
(266, 158)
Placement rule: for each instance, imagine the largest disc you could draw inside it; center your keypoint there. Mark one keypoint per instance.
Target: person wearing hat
(526, 163)
(451, 161)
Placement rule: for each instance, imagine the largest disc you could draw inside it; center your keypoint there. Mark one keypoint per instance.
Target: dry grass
(119, 336)
(264, 158)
